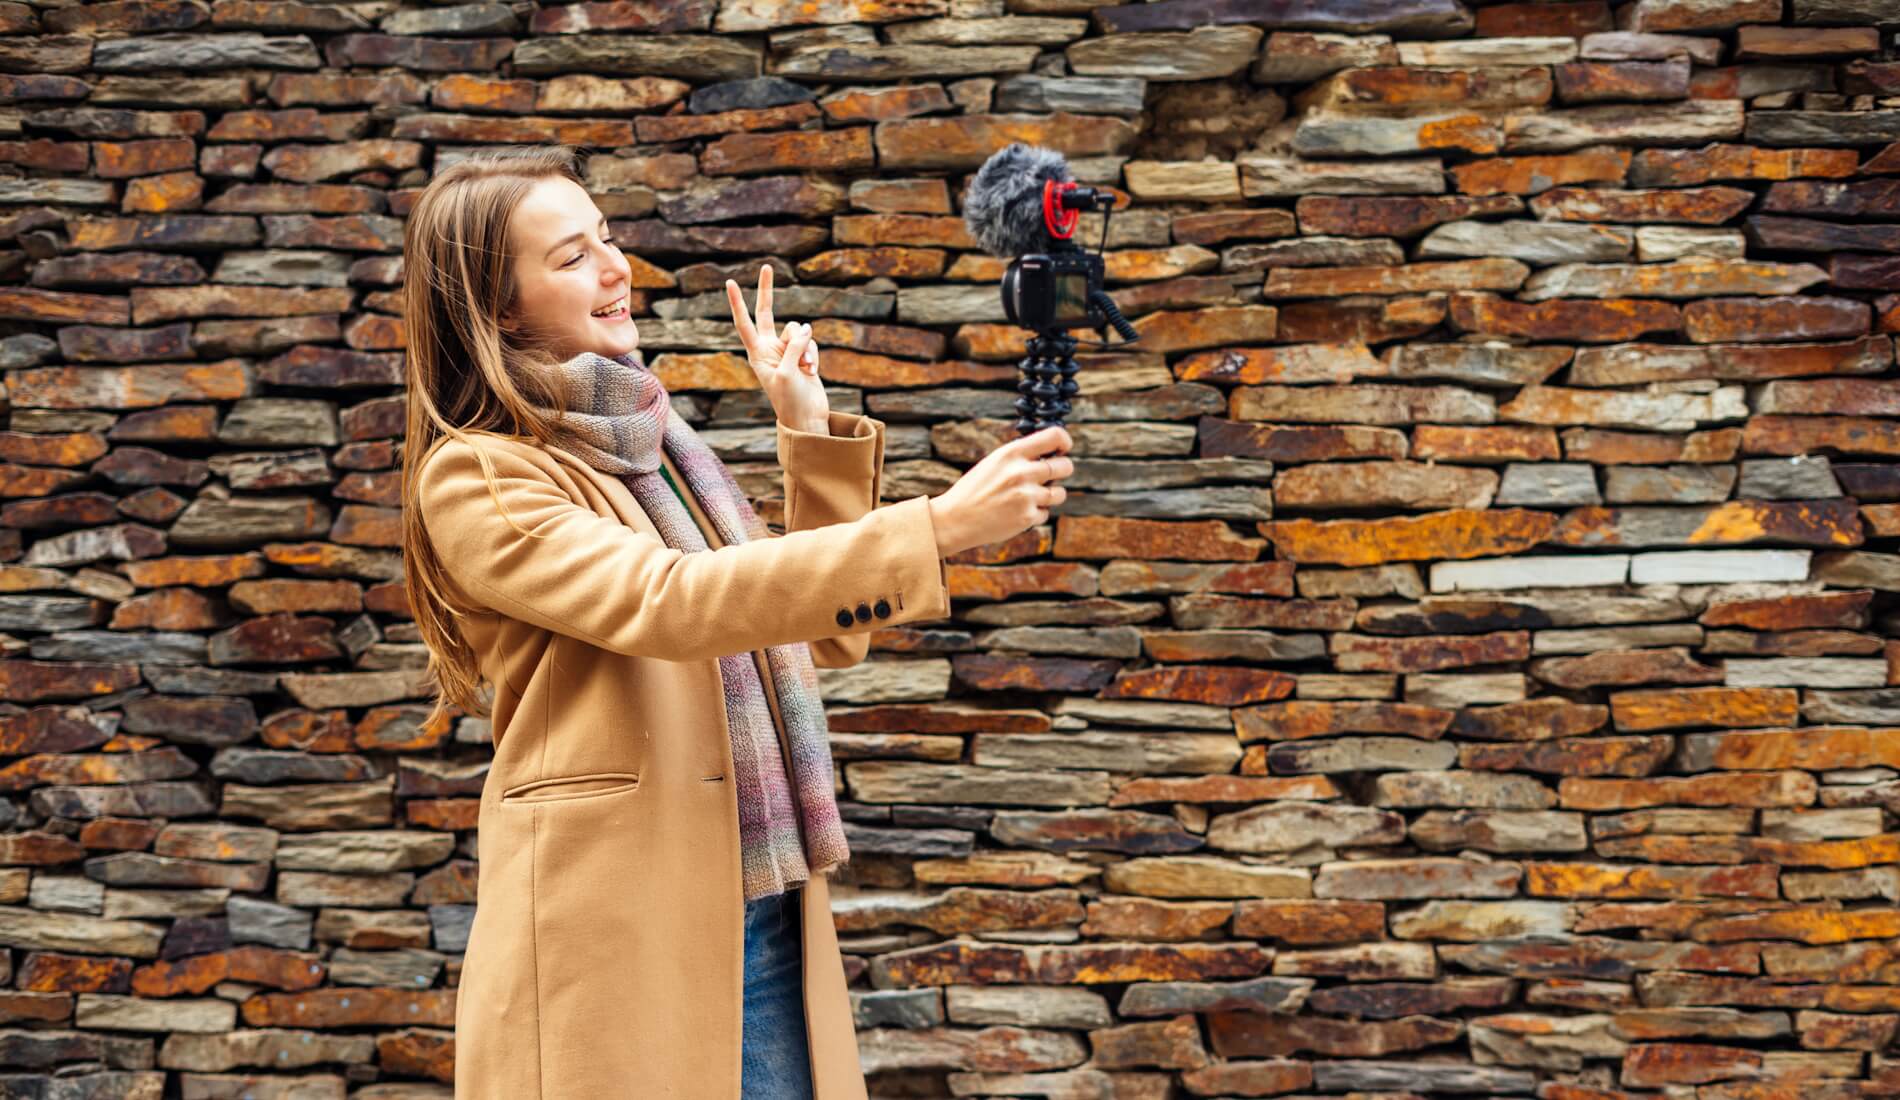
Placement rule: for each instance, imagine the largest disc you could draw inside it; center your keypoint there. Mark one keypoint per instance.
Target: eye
(608, 240)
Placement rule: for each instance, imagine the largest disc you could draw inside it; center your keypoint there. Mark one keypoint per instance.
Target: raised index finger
(740, 315)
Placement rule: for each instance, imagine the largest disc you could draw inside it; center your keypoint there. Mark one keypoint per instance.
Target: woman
(659, 815)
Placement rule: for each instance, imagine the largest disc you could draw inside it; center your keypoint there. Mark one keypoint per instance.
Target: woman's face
(571, 280)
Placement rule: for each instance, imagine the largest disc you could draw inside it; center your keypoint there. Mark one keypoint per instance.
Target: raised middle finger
(762, 310)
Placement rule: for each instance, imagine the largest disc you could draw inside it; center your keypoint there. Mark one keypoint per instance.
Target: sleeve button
(844, 617)
(883, 609)
(864, 612)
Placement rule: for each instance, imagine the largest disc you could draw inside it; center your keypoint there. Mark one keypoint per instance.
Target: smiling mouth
(617, 309)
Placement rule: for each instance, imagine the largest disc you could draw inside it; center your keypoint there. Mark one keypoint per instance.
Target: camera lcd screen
(1072, 297)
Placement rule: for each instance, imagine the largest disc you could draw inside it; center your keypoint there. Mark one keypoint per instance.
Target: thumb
(1047, 441)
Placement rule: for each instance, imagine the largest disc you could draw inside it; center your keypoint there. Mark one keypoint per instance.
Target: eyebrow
(569, 239)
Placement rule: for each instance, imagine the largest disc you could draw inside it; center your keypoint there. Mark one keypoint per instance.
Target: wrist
(818, 427)
(940, 528)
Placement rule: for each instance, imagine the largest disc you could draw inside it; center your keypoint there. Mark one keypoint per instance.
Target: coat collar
(626, 506)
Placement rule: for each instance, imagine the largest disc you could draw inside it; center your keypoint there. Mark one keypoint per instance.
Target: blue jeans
(774, 1059)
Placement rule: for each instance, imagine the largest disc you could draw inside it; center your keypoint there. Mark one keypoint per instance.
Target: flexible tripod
(1047, 382)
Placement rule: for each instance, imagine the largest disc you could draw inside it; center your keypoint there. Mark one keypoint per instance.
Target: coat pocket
(568, 788)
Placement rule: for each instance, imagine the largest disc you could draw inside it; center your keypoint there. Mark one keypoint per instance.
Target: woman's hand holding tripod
(1006, 493)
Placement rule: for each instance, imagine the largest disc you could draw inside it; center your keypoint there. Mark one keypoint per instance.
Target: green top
(668, 474)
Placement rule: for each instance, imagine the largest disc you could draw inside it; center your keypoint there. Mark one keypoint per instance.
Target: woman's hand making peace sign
(786, 363)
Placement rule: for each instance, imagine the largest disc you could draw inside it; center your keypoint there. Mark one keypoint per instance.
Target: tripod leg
(1047, 382)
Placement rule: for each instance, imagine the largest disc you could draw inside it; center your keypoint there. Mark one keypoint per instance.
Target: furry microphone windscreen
(1003, 209)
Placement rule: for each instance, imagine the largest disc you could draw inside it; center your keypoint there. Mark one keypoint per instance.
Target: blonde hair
(465, 372)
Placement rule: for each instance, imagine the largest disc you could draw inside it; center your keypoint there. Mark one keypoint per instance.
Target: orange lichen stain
(1404, 86)
(1741, 521)
(1468, 132)
(218, 381)
(1729, 523)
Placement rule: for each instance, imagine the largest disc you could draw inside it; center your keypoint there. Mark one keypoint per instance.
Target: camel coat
(605, 960)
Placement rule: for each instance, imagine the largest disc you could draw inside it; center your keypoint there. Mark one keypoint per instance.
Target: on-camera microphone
(1005, 208)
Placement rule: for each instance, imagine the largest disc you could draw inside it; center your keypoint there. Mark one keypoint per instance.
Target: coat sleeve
(590, 577)
(833, 478)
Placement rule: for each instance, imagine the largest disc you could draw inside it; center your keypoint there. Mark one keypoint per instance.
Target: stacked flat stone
(1466, 661)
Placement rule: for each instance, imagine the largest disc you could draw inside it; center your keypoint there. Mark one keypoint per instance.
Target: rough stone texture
(1468, 661)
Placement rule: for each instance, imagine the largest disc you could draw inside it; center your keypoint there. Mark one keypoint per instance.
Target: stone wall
(1462, 664)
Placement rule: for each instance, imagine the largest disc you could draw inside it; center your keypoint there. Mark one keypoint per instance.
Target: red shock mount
(1060, 222)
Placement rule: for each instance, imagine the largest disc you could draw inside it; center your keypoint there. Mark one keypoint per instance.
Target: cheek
(552, 301)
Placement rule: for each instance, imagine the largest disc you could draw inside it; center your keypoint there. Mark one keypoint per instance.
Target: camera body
(1054, 290)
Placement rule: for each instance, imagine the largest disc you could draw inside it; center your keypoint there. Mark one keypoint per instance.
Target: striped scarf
(618, 416)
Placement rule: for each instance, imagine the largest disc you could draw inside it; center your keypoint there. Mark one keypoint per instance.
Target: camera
(1024, 204)
(1054, 290)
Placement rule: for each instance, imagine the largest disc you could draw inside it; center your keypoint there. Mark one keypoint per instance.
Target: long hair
(465, 372)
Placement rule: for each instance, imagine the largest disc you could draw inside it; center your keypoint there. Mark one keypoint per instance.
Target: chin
(611, 347)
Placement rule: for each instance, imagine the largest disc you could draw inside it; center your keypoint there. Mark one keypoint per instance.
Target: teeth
(615, 308)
